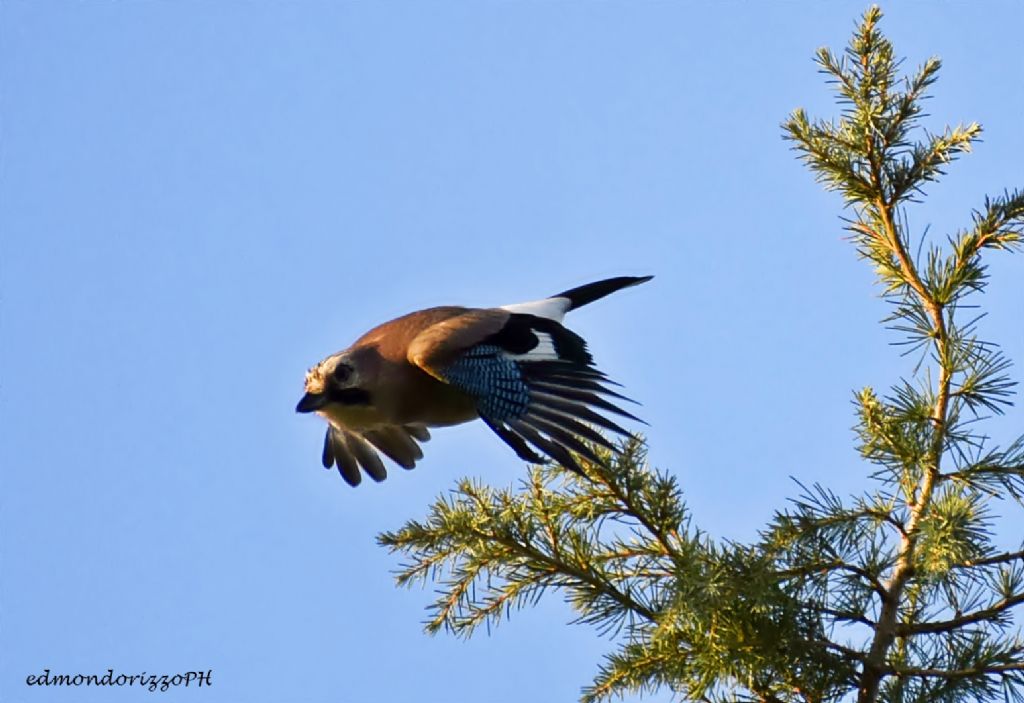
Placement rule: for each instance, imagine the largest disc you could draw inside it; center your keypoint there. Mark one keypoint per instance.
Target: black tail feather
(578, 297)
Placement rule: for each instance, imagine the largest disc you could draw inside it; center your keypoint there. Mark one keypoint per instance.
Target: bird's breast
(404, 395)
(425, 400)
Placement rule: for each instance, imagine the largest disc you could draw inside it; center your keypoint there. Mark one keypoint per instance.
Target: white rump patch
(544, 351)
(551, 308)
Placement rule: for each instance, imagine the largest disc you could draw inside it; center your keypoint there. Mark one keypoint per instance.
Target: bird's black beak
(311, 402)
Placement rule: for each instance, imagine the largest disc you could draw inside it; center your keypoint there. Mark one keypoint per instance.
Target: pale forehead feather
(316, 377)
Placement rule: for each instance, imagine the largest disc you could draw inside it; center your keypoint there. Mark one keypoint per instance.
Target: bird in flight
(531, 380)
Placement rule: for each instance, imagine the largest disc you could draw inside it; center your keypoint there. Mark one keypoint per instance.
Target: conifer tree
(897, 594)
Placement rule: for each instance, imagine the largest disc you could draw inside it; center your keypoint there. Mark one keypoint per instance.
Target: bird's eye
(341, 373)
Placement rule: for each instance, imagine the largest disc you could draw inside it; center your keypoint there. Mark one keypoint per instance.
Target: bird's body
(404, 393)
(516, 368)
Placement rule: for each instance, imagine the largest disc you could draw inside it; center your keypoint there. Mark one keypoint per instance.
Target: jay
(531, 380)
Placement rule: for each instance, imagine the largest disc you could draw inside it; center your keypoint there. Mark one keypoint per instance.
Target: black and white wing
(534, 381)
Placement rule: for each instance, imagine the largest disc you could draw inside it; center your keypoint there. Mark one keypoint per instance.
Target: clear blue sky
(198, 200)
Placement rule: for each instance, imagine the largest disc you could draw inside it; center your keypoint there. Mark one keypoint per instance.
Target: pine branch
(957, 673)
(843, 615)
(1004, 558)
(869, 157)
(994, 611)
(519, 544)
(809, 569)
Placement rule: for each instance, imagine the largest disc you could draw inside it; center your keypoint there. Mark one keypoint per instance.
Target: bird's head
(334, 381)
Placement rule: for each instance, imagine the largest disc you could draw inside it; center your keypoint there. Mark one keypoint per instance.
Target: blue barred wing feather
(536, 387)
